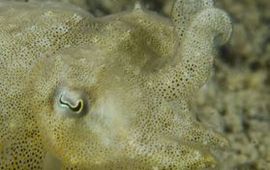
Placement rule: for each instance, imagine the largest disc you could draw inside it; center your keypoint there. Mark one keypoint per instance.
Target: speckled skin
(106, 93)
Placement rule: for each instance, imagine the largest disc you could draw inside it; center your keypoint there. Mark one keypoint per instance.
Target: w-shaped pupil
(75, 108)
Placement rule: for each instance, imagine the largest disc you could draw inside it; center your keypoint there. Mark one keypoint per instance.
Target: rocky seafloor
(238, 95)
(236, 100)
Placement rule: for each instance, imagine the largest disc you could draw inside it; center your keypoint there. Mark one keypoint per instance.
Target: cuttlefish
(80, 92)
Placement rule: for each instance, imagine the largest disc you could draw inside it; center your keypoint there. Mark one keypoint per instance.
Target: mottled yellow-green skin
(134, 72)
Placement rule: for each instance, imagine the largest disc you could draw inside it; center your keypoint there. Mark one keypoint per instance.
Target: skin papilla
(106, 93)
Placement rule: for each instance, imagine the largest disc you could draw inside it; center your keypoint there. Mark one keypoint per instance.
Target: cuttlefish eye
(71, 103)
(74, 106)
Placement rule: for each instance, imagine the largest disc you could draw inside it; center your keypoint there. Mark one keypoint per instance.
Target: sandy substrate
(238, 95)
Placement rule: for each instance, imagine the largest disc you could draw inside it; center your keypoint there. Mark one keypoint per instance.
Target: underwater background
(236, 101)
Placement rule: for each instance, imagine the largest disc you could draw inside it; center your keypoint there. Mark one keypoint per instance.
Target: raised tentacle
(184, 10)
(208, 28)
